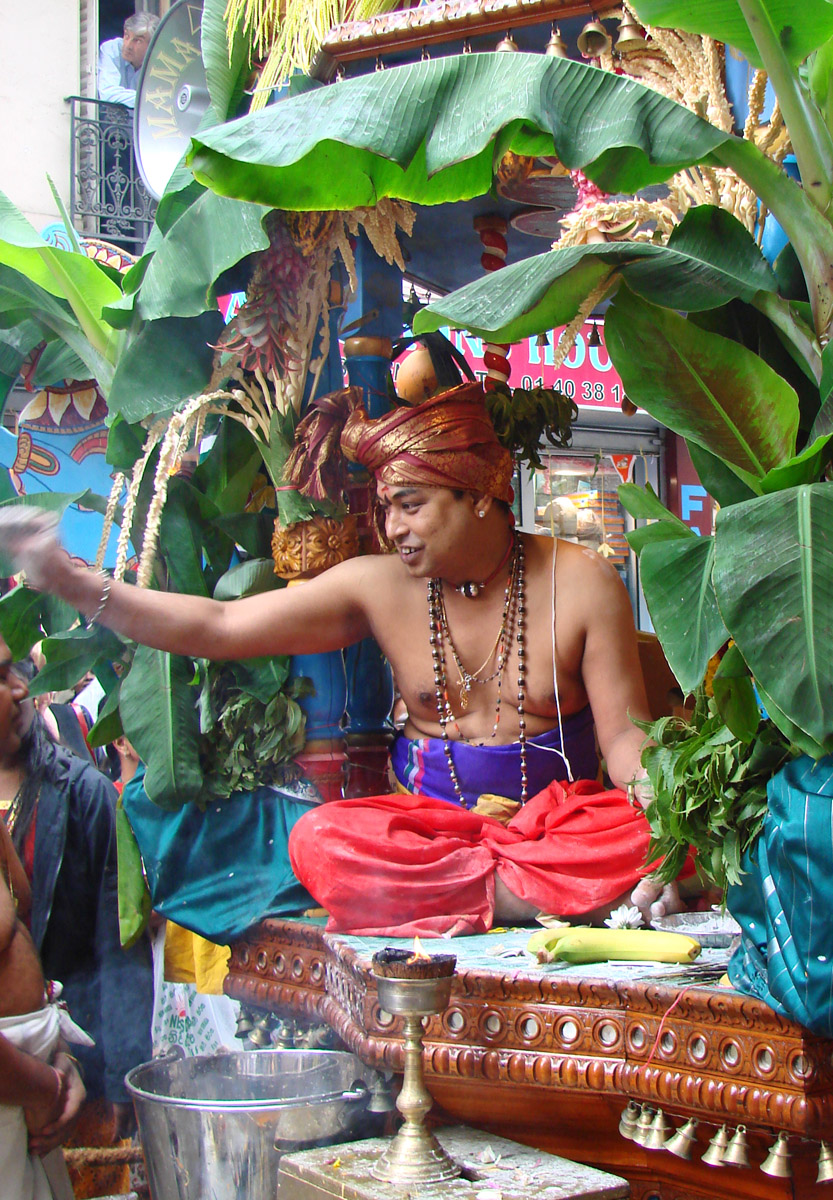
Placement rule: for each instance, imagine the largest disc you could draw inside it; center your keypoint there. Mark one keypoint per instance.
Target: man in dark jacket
(61, 813)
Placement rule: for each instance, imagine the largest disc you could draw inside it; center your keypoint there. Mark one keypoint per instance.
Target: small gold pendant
(465, 688)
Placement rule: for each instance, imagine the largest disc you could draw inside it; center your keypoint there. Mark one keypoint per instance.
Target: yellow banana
(542, 944)
(598, 945)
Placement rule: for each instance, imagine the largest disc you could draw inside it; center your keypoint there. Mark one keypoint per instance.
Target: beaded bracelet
(105, 596)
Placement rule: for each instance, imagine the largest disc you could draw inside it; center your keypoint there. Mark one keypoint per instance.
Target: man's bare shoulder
(580, 565)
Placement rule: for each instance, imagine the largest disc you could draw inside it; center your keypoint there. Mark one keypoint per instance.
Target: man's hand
(27, 537)
(48, 1129)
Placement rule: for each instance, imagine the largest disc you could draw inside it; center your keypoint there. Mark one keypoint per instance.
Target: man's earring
(481, 514)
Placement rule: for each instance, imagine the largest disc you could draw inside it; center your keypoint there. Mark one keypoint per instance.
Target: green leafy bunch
(249, 739)
(522, 418)
(709, 790)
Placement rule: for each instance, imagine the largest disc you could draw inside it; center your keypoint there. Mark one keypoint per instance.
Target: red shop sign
(586, 375)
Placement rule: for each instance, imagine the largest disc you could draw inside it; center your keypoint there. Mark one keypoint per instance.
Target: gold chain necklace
(469, 678)
(444, 710)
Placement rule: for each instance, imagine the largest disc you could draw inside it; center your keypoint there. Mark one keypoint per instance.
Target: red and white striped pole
(491, 229)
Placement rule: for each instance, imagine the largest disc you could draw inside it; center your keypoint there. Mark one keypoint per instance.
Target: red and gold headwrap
(448, 442)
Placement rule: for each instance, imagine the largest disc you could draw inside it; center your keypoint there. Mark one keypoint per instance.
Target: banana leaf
(140, 388)
(62, 273)
(25, 302)
(432, 131)
(159, 716)
(71, 654)
(676, 579)
(710, 260)
(212, 235)
(801, 28)
(773, 576)
(707, 388)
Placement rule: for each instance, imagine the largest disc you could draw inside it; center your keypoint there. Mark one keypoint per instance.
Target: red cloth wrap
(406, 864)
(448, 441)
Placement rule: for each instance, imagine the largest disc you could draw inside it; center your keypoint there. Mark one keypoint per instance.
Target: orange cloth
(448, 441)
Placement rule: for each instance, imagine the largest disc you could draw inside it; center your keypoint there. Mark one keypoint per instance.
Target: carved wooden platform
(551, 1061)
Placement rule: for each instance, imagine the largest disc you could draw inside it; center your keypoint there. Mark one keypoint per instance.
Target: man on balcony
(120, 60)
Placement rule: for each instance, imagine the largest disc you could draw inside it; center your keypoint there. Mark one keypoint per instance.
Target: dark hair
(36, 752)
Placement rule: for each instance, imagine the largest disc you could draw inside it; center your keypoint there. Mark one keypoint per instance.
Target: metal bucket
(215, 1126)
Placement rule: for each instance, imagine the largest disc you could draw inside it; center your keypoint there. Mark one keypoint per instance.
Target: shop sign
(587, 375)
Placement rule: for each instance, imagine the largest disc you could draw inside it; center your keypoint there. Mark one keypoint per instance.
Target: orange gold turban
(446, 442)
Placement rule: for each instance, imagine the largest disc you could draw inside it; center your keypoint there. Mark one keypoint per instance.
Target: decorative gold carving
(307, 548)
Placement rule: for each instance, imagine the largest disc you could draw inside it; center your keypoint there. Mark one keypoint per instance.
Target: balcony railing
(108, 199)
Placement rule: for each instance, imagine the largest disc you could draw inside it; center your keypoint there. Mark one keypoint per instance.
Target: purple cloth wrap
(420, 764)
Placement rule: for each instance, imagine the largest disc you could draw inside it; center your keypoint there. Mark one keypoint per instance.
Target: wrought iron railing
(108, 199)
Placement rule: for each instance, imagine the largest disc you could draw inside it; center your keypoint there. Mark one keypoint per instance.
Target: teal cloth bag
(784, 903)
(220, 871)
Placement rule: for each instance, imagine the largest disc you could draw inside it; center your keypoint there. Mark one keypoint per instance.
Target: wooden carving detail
(715, 1055)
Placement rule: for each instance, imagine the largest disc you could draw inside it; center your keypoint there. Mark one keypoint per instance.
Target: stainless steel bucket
(213, 1127)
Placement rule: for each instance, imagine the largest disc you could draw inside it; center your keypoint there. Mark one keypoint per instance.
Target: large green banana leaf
(432, 131)
(25, 304)
(62, 273)
(707, 388)
(773, 576)
(159, 716)
(709, 260)
(168, 361)
(676, 577)
(213, 234)
(801, 27)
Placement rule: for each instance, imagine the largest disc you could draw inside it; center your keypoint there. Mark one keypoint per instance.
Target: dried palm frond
(288, 33)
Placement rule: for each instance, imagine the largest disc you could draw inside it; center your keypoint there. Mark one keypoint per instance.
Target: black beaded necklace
(514, 612)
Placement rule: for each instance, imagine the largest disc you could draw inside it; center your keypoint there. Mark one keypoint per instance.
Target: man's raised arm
(323, 614)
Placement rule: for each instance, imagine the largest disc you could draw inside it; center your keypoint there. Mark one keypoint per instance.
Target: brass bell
(381, 1100)
(658, 1133)
(825, 1174)
(682, 1142)
(261, 1035)
(245, 1024)
(542, 340)
(556, 47)
(630, 35)
(594, 39)
(736, 1153)
(777, 1162)
(628, 1119)
(595, 338)
(713, 1156)
(507, 43)
(643, 1125)
(284, 1035)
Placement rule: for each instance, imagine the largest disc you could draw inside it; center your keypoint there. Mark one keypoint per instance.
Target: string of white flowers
(155, 434)
(109, 516)
(569, 332)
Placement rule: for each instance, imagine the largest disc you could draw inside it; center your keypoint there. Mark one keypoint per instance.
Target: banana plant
(707, 337)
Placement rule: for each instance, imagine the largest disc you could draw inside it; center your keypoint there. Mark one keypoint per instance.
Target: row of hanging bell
(648, 1127)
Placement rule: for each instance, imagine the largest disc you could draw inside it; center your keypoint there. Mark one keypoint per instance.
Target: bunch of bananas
(523, 419)
(585, 944)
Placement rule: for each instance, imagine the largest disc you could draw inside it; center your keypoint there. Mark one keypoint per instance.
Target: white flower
(626, 916)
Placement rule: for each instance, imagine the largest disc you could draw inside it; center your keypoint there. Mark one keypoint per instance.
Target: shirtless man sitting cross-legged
(510, 652)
